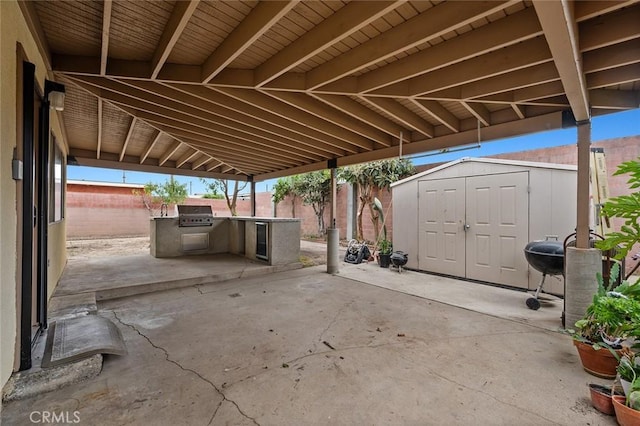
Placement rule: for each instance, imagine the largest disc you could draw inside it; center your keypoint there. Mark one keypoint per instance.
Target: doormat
(69, 340)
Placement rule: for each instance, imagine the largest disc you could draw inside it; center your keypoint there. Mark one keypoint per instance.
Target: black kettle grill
(399, 259)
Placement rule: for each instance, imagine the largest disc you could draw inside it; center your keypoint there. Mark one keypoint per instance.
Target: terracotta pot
(601, 398)
(600, 363)
(625, 416)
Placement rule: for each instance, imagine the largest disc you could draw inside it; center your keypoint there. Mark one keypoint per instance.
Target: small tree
(369, 178)
(215, 185)
(168, 192)
(314, 189)
(282, 189)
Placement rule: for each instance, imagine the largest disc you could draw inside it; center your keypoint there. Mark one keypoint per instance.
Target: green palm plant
(614, 314)
(626, 207)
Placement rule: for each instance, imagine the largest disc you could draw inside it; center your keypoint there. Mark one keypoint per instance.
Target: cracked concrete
(198, 356)
(168, 358)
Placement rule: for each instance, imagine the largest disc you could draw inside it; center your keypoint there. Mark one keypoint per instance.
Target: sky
(626, 123)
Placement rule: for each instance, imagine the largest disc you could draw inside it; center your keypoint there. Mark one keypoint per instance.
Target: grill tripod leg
(539, 289)
(533, 302)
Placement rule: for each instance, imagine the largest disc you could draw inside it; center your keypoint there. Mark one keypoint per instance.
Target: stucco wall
(15, 31)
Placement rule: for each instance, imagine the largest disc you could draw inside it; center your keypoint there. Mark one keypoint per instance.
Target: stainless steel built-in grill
(194, 216)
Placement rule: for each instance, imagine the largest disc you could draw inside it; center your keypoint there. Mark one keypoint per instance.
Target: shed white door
(497, 216)
(441, 243)
(493, 209)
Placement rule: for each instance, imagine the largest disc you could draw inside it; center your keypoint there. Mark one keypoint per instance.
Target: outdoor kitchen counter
(167, 239)
(236, 235)
(283, 238)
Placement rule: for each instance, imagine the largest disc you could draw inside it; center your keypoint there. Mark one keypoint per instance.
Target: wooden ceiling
(256, 90)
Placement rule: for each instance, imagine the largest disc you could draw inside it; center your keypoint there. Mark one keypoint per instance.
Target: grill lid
(194, 215)
(197, 210)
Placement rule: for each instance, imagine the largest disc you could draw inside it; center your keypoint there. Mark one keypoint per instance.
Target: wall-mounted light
(54, 94)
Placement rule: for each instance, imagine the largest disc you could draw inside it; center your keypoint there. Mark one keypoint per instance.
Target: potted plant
(612, 318)
(628, 369)
(385, 248)
(627, 408)
(614, 315)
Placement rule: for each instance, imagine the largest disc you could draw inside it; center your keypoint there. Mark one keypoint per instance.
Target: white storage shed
(472, 218)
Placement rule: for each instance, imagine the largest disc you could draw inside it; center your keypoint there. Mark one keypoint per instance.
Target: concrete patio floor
(366, 346)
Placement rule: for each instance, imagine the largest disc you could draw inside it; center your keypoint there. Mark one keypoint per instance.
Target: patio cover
(251, 90)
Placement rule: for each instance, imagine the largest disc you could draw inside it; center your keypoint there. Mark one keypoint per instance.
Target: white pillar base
(333, 240)
(581, 266)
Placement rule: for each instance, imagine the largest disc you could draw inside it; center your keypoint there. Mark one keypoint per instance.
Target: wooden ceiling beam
(253, 117)
(222, 141)
(348, 141)
(439, 113)
(614, 99)
(585, 10)
(593, 61)
(479, 111)
(100, 124)
(204, 159)
(615, 56)
(504, 32)
(141, 100)
(150, 147)
(348, 106)
(261, 18)
(322, 110)
(609, 29)
(243, 159)
(169, 153)
(621, 75)
(402, 114)
(128, 138)
(539, 91)
(231, 113)
(340, 25)
(517, 110)
(28, 9)
(110, 161)
(512, 80)
(180, 16)
(561, 32)
(548, 121)
(187, 156)
(523, 55)
(225, 144)
(438, 21)
(607, 78)
(106, 27)
(215, 166)
(168, 125)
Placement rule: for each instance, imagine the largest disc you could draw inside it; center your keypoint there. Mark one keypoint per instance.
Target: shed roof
(261, 89)
(527, 164)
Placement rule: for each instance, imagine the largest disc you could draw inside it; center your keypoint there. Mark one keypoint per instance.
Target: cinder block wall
(107, 211)
(309, 222)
